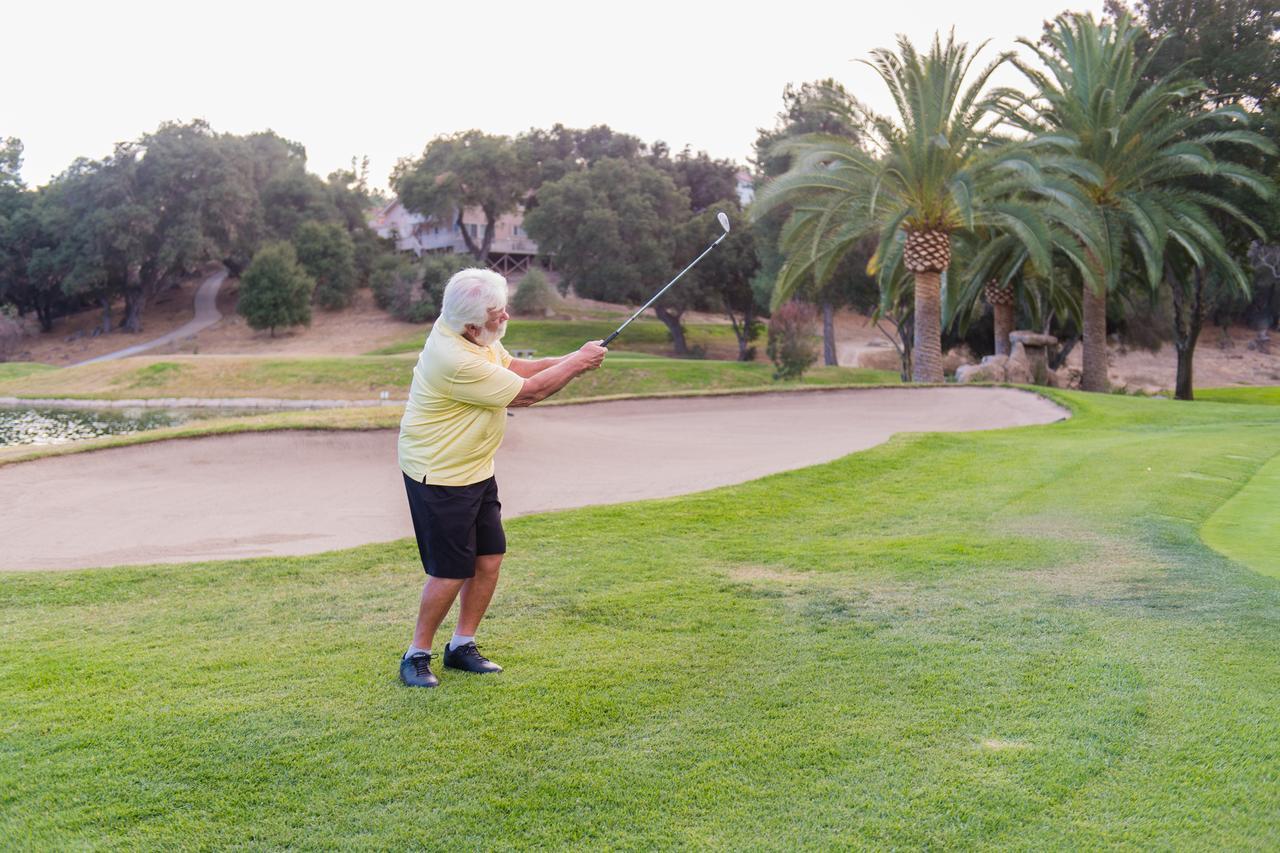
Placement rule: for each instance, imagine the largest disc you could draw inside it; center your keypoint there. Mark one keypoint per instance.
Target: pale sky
(382, 78)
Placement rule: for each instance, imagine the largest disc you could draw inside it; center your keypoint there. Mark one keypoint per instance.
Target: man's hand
(546, 382)
(591, 355)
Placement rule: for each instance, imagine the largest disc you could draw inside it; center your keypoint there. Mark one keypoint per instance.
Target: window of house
(473, 229)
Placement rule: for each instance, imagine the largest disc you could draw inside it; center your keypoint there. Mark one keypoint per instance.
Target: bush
(793, 329)
(387, 271)
(327, 253)
(369, 250)
(436, 272)
(534, 297)
(411, 290)
(275, 291)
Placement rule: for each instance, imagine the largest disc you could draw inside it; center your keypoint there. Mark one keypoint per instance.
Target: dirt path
(302, 493)
(206, 314)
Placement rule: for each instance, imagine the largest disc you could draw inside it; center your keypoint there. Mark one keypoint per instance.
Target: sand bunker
(259, 494)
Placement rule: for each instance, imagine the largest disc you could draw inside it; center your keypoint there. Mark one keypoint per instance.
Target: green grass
(18, 369)
(363, 377)
(1011, 639)
(1247, 527)
(628, 374)
(1267, 395)
(357, 377)
(557, 337)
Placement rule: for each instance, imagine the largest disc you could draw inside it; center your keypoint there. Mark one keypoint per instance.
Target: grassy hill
(363, 377)
(1010, 639)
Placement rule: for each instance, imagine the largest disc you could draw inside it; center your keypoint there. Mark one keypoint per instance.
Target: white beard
(485, 337)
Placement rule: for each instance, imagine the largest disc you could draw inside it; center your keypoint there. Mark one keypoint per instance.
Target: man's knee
(488, 564)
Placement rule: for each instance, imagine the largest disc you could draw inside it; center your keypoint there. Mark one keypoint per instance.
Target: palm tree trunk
(1094, 377)
(828, 335)
(1004, 325)
(926, 361)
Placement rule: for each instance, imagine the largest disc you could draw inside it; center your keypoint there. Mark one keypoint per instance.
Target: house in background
(746, 188)
(512, 250)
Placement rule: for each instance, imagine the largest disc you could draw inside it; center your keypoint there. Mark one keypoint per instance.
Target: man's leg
(437, 597)
(477, 592)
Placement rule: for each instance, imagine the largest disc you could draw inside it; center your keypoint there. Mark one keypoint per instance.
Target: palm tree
(995, 268)
(1137, 143)
(940, 167)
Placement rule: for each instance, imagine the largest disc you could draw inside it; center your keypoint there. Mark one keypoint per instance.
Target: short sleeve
(503, 355)
(482, 383)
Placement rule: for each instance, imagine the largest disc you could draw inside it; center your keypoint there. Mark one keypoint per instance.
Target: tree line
(1125, 189)
(616, 213)
(128, 226)
(1133, 175)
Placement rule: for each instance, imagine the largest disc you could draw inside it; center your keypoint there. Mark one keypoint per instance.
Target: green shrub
(436, 272)
(387, 272)
(410, 290)
(275, 291)
(792, 346)
(327, 253)
(534, 297)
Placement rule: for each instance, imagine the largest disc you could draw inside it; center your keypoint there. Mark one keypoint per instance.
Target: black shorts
(455, 524)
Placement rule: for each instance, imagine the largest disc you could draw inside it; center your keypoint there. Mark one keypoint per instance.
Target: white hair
(468, 297)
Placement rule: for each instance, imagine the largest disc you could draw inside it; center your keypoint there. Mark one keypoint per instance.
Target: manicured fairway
(1012, 639)
(1247, 527)
(364, 377)
(554, 337)
(1268, 395)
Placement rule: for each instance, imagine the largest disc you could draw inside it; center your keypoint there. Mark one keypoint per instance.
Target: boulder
(1018, 368)
(980, 373)
(1000, 361)
(1035, 348)
(1032, 339)
(1063, 377)
(879, 359)
(953, 358)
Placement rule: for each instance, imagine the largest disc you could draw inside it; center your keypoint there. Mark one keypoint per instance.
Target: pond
(25, 425)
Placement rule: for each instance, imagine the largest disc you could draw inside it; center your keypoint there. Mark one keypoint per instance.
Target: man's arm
(562, 371)
(525, 368)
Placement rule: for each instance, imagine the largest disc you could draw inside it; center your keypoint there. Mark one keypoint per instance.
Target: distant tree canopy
(820, 106)
(325, 250)
(724, 276)
(612, 228)
(157, 208)
(460, 171)
(11, 163)
(1229, 45)
(614, 212)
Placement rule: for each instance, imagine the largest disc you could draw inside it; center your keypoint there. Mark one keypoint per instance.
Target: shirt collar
(461, 338)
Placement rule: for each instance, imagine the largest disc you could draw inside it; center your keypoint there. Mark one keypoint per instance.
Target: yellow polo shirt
(457, 410)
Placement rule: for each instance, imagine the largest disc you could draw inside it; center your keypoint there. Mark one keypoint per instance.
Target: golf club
(724, 223)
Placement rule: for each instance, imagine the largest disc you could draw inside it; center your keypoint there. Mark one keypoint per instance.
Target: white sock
(459, 641)
(413, 650)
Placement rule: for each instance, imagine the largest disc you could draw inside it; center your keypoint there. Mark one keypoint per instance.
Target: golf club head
(724, 221)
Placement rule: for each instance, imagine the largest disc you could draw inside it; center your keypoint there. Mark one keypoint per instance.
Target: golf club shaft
(618, 331)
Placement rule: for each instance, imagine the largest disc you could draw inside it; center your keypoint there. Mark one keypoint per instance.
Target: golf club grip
(605, 342)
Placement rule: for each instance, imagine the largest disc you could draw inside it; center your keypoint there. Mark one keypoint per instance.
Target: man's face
(494, 327)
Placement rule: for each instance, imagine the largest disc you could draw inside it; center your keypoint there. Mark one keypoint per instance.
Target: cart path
(281, 493)
(206, 314)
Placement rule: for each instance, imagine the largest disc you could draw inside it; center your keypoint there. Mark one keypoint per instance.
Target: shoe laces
(422, 664)
(471, 651)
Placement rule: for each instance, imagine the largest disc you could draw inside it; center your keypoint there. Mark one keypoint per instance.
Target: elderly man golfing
(453, 423)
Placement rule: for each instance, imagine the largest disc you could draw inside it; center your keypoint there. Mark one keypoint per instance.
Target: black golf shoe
(469, 659)
(415, 670)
